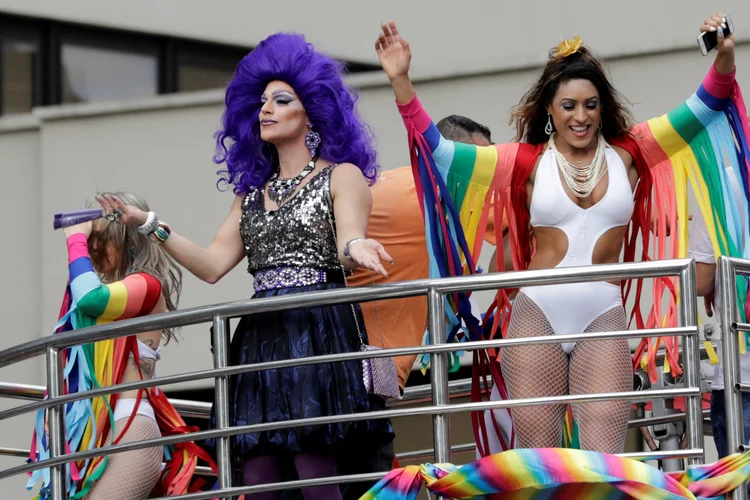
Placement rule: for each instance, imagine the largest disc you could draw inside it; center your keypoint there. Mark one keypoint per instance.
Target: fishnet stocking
(598, 367)
(535, 371)
(544, 370)
(132, 474)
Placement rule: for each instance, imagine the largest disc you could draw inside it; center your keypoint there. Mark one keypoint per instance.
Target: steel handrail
(728, 269)
(391, 352)
(371, 415)
(202, 409)
(435, 289)
(477, 282)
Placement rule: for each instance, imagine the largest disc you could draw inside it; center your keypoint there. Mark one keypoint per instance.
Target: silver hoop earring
(548, 129)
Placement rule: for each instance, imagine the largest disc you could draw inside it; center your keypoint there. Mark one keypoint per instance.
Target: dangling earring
(312, 140)
(600, 126)
(548, 129)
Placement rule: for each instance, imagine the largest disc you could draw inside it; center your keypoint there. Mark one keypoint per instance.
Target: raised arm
(208, 264)
(468, 173)
(134, 296)
(464, 163)
(666, 135)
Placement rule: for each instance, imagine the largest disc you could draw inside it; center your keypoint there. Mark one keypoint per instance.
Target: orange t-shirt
(396, 222)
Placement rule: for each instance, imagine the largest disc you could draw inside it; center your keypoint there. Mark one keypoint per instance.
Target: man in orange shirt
(396, 222)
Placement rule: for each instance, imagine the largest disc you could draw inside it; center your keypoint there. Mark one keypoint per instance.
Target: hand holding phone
(709, 40)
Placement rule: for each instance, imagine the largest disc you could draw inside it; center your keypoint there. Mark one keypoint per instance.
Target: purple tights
(265, 469)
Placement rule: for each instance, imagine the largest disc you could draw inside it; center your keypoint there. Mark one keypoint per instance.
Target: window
(48, 62)
(202, 70)
(19, 71)
(99, 73)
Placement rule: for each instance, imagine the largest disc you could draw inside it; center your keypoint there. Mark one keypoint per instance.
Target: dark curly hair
(530, 116)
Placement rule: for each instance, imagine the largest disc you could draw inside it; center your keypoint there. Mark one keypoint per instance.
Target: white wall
(448, 37)
(21, 281)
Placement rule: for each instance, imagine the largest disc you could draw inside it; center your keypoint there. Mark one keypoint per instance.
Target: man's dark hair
(459, 128)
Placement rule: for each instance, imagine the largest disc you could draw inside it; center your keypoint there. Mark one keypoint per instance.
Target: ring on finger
(113, 217)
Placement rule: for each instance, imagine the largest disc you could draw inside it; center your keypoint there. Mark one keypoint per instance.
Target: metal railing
(731, 330)
(440, 410)
(460, 388)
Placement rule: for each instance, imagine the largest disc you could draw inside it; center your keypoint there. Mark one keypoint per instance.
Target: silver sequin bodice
(298, 233)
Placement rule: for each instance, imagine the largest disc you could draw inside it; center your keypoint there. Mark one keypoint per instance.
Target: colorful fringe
(459, 183)
(560, 473)
(88, 302)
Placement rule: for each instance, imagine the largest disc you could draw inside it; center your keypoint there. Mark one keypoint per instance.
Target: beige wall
(161, 148)
(448, 37)
(21, 279)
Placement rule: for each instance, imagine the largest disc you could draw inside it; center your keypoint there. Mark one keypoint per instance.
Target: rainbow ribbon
(545, 473)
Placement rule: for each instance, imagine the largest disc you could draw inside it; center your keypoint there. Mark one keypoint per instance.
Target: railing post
(441, 430)
(688, 312)
(55, 425)
(731, 359)
(221, 400)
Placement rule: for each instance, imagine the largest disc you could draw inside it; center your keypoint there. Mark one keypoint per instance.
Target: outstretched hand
(393, 51)
(129, 214)
(368, 253)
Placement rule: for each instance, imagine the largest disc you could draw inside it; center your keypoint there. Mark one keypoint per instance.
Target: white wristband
(148, 227)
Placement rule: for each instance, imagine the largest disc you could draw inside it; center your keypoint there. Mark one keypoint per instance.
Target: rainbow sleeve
(702, 145)
(134, 296)
(560, 473)
(468, 172)
(88, 422)
(441, 163)
(454, 180)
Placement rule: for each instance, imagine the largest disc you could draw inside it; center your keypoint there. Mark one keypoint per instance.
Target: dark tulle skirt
(305, 391)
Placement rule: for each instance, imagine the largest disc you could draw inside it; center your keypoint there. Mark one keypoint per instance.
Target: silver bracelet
(148, 227)
(348, 244)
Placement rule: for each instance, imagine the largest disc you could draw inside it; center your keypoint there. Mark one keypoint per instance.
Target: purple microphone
(65, 219)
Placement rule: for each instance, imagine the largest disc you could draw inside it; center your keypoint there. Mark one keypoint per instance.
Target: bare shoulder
(626, 157)
(347, 171)
(237, 202)
(347, 176)
(532, 175)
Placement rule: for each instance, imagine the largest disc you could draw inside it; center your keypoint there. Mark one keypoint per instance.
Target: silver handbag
(379, 375)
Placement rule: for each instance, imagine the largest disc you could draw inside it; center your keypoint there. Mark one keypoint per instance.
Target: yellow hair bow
(568, 47)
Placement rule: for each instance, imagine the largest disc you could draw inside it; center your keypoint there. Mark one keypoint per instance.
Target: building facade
(105, 96)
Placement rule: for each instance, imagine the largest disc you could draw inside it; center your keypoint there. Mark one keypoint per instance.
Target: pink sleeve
(77, 246)
(414, 111)
(719, 85)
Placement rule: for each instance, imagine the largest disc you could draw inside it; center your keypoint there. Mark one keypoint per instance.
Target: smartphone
(707, 40)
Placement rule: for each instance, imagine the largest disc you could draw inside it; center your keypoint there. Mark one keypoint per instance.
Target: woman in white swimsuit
(579, 201)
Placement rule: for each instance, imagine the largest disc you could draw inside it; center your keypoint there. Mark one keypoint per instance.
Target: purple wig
(329, 102)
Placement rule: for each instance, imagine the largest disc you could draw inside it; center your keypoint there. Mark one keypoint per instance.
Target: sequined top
(298, 233)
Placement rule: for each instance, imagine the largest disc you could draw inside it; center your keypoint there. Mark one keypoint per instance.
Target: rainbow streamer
(693, 147)
(545, 473)
(88, 422)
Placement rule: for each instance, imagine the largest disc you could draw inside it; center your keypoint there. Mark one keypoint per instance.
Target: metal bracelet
(348, 244)
(148, 227)
(161, 233)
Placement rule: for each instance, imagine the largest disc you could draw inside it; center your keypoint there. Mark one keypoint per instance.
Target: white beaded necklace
(582, 180)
